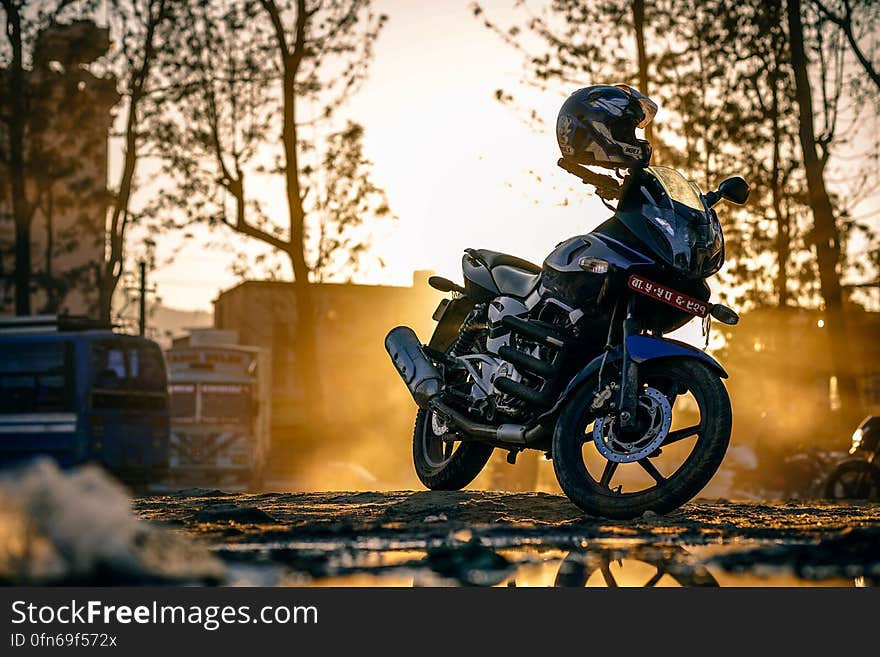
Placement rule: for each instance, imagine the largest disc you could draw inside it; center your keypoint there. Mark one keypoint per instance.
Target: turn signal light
(593, 265)
(724, 314)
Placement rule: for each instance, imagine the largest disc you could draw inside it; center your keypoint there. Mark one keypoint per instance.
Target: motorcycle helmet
(596, 126)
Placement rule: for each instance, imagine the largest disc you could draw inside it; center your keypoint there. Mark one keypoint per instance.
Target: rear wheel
(445, 465)
(683, 429)
(854, 480)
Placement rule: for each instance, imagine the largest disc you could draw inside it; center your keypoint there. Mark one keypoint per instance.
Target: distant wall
(371, 411)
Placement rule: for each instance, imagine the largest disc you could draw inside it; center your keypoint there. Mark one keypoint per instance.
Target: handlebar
(606, 187)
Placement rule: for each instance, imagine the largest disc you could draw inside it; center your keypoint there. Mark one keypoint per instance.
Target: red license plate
(668, 296)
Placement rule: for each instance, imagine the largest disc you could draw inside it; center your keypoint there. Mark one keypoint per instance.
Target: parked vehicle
(859, 477)
(569, 358)
(77, 392)
(220, 400)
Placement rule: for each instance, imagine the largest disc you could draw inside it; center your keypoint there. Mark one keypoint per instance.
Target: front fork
(629, 385)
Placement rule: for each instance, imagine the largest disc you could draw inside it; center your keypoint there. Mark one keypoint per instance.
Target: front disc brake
(654, 419)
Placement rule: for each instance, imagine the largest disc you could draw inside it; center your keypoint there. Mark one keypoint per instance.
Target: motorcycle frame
(634, 350)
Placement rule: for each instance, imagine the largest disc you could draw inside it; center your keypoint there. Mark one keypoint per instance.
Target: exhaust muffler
(424, 383)
(417, 371)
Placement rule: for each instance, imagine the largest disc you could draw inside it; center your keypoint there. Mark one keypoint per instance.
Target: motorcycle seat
(513, 281)
(494, 259)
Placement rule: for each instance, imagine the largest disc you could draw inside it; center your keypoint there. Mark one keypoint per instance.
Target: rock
(246, 515)
(441, 517)
(200, 492)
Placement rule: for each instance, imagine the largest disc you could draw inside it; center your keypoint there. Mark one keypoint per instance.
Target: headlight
(664, 225)
(857, 441)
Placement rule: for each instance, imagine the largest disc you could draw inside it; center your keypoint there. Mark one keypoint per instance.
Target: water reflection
(474, 563)
(646, 566)
(630, 566)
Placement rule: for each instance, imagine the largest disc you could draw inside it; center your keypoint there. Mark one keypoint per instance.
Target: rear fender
(451, 316)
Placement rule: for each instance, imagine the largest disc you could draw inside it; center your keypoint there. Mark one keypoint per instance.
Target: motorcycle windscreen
(689, 234)
(678, 188)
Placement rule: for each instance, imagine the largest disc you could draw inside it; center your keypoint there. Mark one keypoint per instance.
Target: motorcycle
(570, 357)
(858, 477)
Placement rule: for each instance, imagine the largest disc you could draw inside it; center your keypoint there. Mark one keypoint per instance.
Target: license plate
(668, 296)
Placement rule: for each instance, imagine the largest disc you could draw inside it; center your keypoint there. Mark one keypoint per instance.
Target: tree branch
(275, 17)
(299, 48)
(241, 226)
(846, 26)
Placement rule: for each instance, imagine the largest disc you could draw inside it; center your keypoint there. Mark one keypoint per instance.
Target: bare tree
(138, 26)
(826, 236)
(235, 69)
(845, 15)
(349, 204)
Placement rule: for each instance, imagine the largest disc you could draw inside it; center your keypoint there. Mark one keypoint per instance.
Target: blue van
(83, 394)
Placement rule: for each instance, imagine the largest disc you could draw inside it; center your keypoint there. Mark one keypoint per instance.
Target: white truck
(220, 405)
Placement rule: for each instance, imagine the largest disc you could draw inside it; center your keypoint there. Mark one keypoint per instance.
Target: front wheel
(445, 465)
(683, 429)
(854, 480)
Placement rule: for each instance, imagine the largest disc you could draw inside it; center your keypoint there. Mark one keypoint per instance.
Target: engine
(511, 351)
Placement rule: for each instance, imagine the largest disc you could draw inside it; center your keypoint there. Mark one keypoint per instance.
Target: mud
(491, 538)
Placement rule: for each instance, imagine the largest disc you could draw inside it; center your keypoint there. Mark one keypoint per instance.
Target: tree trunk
(108, 280)
(22, 213)
(309, 374)
(783, 232)
(638, 12)
(826, 237)
(111, 272)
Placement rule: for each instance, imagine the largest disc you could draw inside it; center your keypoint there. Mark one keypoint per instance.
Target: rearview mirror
(735, 190)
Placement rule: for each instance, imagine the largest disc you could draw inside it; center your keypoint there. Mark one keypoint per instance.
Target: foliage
(220, 137)
(721, 73)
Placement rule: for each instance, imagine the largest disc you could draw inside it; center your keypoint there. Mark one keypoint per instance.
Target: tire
(677, 488)
(854, 480)
(455, 473)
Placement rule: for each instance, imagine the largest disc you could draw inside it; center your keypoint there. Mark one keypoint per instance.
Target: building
(364, 399)
(67, 126)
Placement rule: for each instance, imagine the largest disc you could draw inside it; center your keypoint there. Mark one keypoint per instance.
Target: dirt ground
(481, 538)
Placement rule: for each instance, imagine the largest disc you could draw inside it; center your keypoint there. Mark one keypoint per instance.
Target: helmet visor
(649, 107)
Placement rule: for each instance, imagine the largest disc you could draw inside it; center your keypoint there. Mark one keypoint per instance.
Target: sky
(460, 170)
(453, 161)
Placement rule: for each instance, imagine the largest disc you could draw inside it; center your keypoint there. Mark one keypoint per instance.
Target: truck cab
(220, 405)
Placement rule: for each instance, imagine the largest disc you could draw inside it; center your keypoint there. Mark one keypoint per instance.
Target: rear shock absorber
(472, 328)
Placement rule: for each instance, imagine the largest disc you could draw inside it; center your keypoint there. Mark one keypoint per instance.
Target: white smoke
(78, 527)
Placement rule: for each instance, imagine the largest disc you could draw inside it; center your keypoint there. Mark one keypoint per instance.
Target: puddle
(79, 527)
(473, 563)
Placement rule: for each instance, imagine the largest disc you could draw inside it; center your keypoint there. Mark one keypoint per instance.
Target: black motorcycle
(570, 358)
(858, 478)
